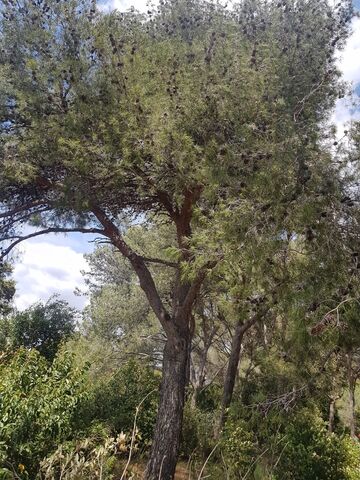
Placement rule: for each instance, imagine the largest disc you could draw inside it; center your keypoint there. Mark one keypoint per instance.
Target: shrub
(197, 438)
(309, 452)
(114, 401)
(239, 449)
(89, 458)
(37, 405)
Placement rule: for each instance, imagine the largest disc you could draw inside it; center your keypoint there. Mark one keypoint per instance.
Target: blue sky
(53, 263)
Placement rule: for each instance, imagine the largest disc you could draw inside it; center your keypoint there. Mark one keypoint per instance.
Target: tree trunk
(332, 411)
(200, 376)
(233, 366)
(352, 421)
(166, 439)
(352, 386)
(230, 376)
(178, 326)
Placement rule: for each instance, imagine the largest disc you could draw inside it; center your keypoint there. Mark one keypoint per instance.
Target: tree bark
(233, 366)
(230, 376)
(352, 421)
(352, 386)
(332, 411)
(178, 327)
(166, 439)
(199, 376)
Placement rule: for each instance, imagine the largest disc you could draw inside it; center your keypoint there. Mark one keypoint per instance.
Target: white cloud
(45, 269)
(123, 5)
(349, 64)
(349, 59)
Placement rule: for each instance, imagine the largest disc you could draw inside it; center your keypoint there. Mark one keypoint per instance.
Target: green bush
(114, 401)
(197, 438)
(37, 406)
(89, 458)
(239, 449)
(310, 453)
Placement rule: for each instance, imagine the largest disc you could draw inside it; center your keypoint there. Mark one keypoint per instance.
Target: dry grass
(136, 470)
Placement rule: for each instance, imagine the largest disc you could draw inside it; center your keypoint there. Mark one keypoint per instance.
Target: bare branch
(21, 208)
(301, 103)
(18, 240)
(196, 285)
(160, 262)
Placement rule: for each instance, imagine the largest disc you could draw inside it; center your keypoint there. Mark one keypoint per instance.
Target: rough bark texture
(179, 328)
(352, 421)
(352, 386)
(233, 365)
(166, 437)
(230, 377)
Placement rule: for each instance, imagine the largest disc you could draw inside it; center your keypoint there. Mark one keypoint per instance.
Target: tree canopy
(43, 326)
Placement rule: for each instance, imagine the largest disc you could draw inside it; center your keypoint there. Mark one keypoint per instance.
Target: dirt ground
(182, 473)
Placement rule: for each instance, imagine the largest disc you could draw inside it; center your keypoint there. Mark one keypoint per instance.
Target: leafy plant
(114, 401)
(310, 452)
(38, 402)
(92, 458)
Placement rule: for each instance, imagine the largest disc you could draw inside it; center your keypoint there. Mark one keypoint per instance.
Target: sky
(52, 264)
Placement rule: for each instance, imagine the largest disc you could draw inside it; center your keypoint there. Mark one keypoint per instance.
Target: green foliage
(114, 401)
(197, 438)
(310, 452)
(91, 458)
(118, 310)
(239, 449)
(6, 474)
(42, 326)
(38, 402)
(215, 121)
(7, 290)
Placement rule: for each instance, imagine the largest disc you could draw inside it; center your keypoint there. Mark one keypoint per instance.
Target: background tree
(7, 289)
(7, 292)
(42, 326)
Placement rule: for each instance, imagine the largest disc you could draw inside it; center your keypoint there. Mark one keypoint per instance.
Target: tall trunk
(230, 376)
(166, 439)
(352, 421)
(332, 411)
(352, 386)
(199, 376)
(233, 365)
(178, 326)
(198, 386)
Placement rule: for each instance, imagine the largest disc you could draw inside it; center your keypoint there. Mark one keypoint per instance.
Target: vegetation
(42, 326)
(222, 324)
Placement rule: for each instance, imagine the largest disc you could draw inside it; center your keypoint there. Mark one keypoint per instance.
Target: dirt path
(181, 472)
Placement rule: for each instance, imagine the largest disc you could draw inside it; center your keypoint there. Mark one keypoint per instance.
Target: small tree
(37, 405)
(43, 326)
(7, 289)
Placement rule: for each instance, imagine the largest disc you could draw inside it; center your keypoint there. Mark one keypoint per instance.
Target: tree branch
(21, 208)
(159, 261)
(138, 263)
(195, 287)
(18, 240)
(162, 196)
